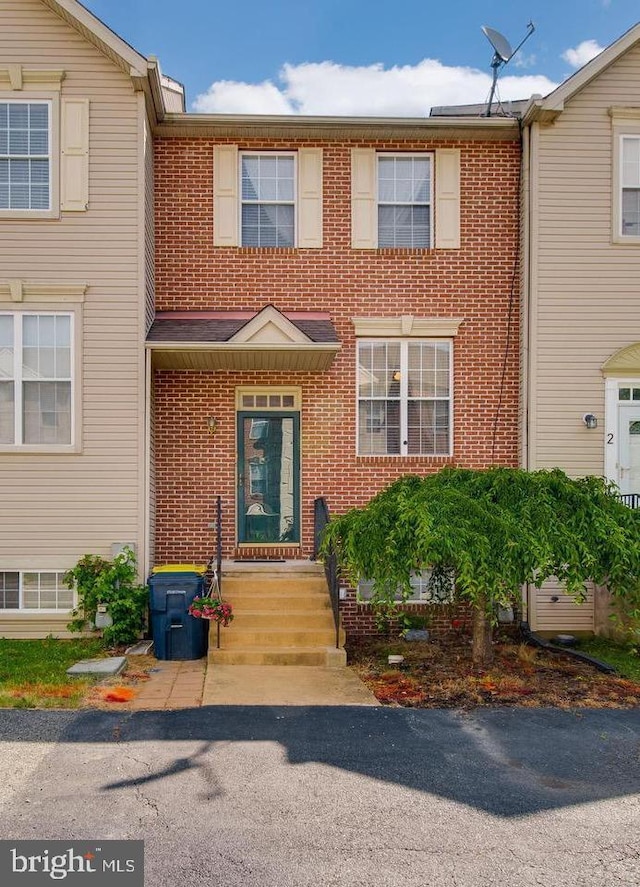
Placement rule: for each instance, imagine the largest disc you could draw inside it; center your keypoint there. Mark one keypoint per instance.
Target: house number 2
(609, 438)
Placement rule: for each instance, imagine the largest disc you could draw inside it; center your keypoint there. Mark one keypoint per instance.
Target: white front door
(629, 451)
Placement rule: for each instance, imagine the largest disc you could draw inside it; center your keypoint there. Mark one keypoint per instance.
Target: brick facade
(477, 283)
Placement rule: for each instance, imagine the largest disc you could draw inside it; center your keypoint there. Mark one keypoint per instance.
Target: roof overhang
(292, 126)
(545, 110)
(268, 340)
(296, 358)
(144, 73)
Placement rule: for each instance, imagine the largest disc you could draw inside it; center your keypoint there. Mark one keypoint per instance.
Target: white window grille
(268, 199)
(404, 397)
(25, 155)
(404, 201)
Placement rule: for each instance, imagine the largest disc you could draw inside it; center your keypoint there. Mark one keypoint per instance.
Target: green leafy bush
(115, 584)
(494, 531)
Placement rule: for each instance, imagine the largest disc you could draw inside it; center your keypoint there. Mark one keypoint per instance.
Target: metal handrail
(219, 543)
(331, 571)
(218, 573)
(630, 499)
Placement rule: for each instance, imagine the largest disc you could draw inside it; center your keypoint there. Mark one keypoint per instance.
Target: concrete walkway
(190, 684)
(284, 685)
(172, 684)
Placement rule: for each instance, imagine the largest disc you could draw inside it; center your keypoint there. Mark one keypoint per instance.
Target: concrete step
(268, 619)
(296, 568)
(240, 637)
(326, 656)
(281, 603)
(252, 584)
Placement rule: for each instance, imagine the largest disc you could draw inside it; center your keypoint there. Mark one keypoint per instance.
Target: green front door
(268, 478)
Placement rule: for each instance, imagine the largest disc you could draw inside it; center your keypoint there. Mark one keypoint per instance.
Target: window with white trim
(268, 199)
(630, 186)
(35, 590)
(404, 200)
(404, 397)
(25, 155)
(423, 590)
(36, 379)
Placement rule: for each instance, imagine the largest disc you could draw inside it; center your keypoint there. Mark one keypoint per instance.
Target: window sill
(396, 250)
(628, 240)
(64, 614)
(28, 215)
(44, 449)
(268, 250)
(393, 457)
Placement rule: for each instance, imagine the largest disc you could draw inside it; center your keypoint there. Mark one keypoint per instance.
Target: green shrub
(115, 584)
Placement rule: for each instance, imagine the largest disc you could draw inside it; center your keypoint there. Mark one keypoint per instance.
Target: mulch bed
(440, 674)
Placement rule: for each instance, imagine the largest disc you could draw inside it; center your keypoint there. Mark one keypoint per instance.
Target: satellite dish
(499, 42)
(502, 53)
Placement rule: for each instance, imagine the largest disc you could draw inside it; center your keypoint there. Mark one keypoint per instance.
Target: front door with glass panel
(268, 477)
(629, 453)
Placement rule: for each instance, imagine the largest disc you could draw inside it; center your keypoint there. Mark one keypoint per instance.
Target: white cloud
(582, 53)
(525, 61)
(330, 88)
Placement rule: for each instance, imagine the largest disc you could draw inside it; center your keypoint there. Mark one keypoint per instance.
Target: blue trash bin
(176, 634)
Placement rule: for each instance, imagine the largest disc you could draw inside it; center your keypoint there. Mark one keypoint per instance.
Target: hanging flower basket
(213, 609)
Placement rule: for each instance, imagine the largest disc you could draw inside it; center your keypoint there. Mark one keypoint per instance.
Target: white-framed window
(423, 591)
(404, 200)
(630, 186)
(42, 590)
(25, 155)
(36, 379)
(404, 397)
(268, 199)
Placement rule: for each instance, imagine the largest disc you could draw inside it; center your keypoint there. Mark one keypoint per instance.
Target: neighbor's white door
(629, 453)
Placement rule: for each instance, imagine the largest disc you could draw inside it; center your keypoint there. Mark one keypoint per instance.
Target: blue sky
(360, 56)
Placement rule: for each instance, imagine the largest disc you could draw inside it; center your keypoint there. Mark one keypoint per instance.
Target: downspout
(147, 462)
(525, 229)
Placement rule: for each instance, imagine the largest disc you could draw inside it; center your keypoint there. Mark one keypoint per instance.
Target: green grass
(33, 673)
(623, 657)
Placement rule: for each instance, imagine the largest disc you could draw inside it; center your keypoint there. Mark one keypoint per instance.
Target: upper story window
(268, 199)
(630, 184)
(404, 201)
(36, 379)
(404, 397)
(25, 155)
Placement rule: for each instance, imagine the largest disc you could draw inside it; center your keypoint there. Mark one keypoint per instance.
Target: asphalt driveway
(276, 796)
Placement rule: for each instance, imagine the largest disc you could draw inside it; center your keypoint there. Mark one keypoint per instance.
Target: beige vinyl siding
(562, 615)
(587, 295)
(56, 508)
(37, 625)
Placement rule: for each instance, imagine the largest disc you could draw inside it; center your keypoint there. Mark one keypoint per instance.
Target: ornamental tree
(490, 532)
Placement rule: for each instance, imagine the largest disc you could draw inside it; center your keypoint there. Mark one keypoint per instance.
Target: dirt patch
(119, 691)
(440, 674)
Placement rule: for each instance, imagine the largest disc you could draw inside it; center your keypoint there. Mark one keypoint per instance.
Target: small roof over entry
(243, 340)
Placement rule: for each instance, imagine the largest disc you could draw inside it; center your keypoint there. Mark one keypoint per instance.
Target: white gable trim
(270, 327)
